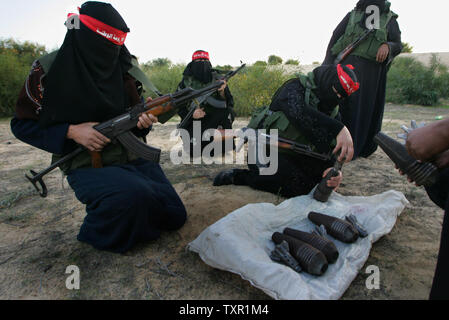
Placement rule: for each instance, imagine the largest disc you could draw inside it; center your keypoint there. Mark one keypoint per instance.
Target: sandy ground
(38, 236)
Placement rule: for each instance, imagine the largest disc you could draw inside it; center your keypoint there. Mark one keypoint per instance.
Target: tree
(274, 60)
(406, 48)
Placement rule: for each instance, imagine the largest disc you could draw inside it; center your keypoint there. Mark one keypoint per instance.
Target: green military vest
(369, 47)
(113, 153)
(264, 118)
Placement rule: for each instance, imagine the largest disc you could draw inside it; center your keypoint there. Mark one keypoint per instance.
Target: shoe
(224, 178)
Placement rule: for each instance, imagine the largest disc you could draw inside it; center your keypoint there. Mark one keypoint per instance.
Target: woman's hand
(222, 88)
(199, 114)
(345, 144)
(146, 121)
(333, 182)
(382, 53)
(85, 135)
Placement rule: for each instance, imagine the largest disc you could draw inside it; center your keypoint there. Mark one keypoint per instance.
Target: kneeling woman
(304, 109)
(129, 200)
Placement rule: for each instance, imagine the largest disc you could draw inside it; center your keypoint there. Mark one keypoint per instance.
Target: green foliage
(157, 63)
(274, 60)
(165, 77)
(26, 51)
(406, 48)
(254, 88)
(411, 82)
(260, 64)
(224, 69)
(292, 62)
(15, 63)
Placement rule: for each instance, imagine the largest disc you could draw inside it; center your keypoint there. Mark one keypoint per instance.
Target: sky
(230, 30)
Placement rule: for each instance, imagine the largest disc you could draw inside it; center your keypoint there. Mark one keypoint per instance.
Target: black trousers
(296, 176)
(439, 193)
(126, 204)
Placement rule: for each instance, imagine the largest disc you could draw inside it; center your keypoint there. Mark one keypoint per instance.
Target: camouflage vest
(113, 153)
(369, 47)
(264, 118)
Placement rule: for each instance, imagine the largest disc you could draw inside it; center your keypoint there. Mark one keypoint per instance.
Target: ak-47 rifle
(281, 143)
(351, 47)
(119, 128)
(185, 123)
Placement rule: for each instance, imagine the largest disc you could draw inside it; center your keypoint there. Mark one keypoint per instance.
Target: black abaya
(362, 112)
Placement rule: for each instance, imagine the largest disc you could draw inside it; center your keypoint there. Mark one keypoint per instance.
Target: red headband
(346, 81)
(200, 55)
(112, 34)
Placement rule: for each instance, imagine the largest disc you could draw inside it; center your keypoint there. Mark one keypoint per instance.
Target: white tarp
(241, 243)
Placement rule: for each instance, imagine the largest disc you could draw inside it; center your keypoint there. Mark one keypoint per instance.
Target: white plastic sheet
(241, 243)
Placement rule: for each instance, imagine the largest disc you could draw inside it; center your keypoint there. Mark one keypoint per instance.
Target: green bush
(15, 63)
(292, 62)
(254, 88)
(274, 60)
(260, 64)
(166, 78)
(411, 82)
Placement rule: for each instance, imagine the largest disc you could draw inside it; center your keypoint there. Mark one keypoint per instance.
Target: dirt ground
(38, 236)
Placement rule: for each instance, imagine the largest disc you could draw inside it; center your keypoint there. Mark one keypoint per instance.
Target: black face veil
(85, 81)
(200, 70)
(326, 78)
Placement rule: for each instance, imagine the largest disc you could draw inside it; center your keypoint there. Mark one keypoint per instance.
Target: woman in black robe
(129, 200)
(362, 113)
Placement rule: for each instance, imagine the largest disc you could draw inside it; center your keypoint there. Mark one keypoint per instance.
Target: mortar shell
(310, 259)
(337, 228)
(324, 245)
(424, 174)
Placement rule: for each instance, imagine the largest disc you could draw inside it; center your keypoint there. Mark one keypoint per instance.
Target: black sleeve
(316, 126)
(182, 110)
(394, 38)
(52, 139)
(338, 33)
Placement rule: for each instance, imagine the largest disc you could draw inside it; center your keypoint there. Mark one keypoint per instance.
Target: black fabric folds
(85, 81)
(201, 70)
